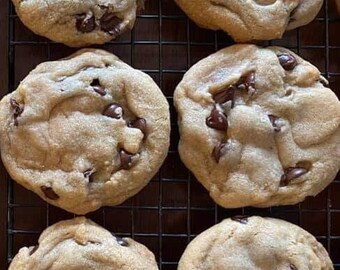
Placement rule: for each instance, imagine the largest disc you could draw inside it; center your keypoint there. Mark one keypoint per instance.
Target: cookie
(78, 23)
(247, 20)
(82, 244)
(84, 131)
(255, 243)
(259, 127)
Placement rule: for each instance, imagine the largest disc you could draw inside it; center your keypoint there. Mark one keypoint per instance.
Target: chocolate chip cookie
(255, 243)
(81, 244)
(259, 126)
(247, 20)
(84, 131)
(78, 23)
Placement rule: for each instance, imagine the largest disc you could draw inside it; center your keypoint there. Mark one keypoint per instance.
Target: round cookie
(255, 243)
(266, 126)
(82, 244)
(78, 23)
(84, 131)
(247, 20)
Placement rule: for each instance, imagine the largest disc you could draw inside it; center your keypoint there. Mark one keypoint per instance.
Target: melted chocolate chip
(293, 267)
(18, 110)
(121, 241)
(247, 82)
(110, 23)
(241, 219)
(49, 193)
(273, 120)
(217, 120)
(89, 174)
(34, 250)
(139, 123)
(98, 88)
(225, 96)
(114, 110)
(85, 23)
(217, 152)
(287, 61)
(125, 160)
(290, 174)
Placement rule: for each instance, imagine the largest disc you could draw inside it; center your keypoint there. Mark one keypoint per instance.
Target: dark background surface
(173, 208)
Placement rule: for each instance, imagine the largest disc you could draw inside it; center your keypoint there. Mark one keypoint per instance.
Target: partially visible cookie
(247, 20)
(259, 126)
(78, 23)
(245, 243)
(81, 244)
(84, 131)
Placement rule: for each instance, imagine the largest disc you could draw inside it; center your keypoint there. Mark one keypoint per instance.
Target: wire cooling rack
(173, 208)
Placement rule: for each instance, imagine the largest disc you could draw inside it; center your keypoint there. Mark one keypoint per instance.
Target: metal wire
(158, 217)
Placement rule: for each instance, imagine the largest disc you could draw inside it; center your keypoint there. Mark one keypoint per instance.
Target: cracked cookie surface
(84, 131)
(266, 126)
(255, 243)
(247, 20)
(81, 244)
(78, 23)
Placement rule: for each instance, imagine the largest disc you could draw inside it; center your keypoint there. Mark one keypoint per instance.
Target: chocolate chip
(293, 267)
(290, 174)
(273, 120)
(217, 152)
(49, 193)
(217, 120)
(110, 23)
(114, 110)
(85, 23)
(98, 88)
(34, 250)
(225, 96)
(121, 241)
(247, 82)
(139, 123)
(89, 174)
(125, 160)
(241, 219)
(18, 110)
(287, 61)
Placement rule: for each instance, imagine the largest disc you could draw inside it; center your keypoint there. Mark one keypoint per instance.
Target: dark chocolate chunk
(273, 120)
(247, 82)
(85, 23)
(139, 123)
(121, 241)
(287, 61)
(293, 267)
(125, 160)
(225, 96)
(98, 88)
(110, 23)
(34, 250)
(217, 152)
(49, 193)
(290, 174)
(217, 120)
(18, 110)
(241, 219)
(114, 110)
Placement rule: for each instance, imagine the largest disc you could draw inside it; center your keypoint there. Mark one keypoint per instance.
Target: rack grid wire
(174, 207)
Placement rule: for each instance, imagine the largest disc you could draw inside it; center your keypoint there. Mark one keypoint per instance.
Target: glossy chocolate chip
(110, 23)
(139, 123)
(241, 219)
(89, 174)
(247, 82)
(217, 120)
(273, 119)
(293, 267)
(114, 110)
(49, 193)
(225, 96)
(217, 152)
(290, 174)
(287, 61)
(121, 241)
(34, 250)
(85, 23)
(125, 160)
(98, 88)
